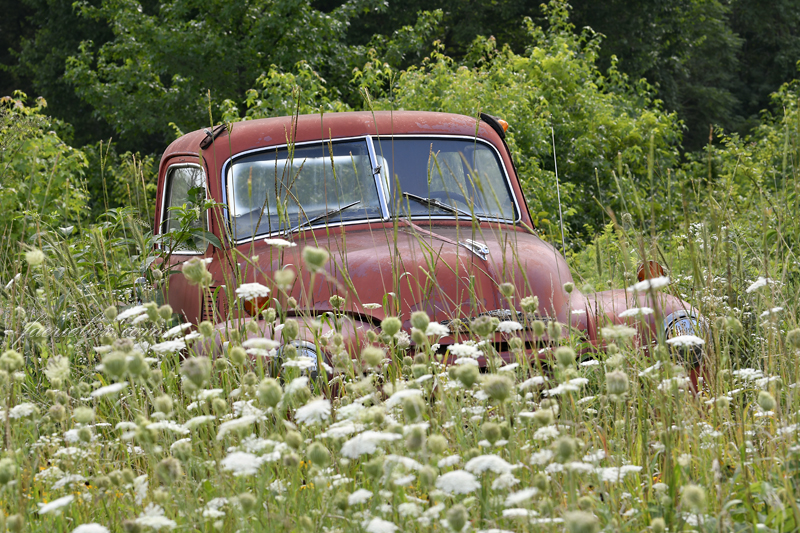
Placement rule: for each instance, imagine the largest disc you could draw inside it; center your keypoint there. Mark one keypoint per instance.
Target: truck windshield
(464, 174)
(283, 190)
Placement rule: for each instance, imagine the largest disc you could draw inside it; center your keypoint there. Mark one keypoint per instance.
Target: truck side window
(185, 190)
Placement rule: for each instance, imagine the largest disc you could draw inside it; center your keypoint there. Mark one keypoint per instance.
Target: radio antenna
(558, 192)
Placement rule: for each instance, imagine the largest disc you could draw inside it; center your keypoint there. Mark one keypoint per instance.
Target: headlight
(686, 323)
(306, 357)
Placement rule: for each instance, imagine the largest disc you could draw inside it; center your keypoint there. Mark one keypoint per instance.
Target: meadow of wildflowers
(123, 423)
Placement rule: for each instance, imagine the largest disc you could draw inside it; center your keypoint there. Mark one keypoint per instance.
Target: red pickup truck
(417, 210)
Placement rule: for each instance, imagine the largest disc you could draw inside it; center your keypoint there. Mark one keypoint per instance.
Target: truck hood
(448, 270)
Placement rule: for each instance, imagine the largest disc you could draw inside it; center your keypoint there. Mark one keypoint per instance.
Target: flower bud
(114, 364)
(426, 476)
(8, 471)
(483, 326)
(372, 355)
(197, 370)
(315, 258)
(11, 361)
(336, 302)
(491, 432)
(569, 287)
(165, 312)
(581, 522)
(318, 454)
(294, 439)
(415, 439)
(658, 525)
(766, 401)
(237, 355)
(617, 383)
(437, 444)
(284, 279)
(538, 328)
(420, 320)
(467, 374)
(530, 304)
(247, 501)
(163, 404)
(270, 392)
(564, 449)
(83, 415)
(15, 523)
(693, 497)
(391, 325)
(35, 257)
(413, 407)
(291, 329)
(498, 388)
(565, 356)
(168, 470)
(457, 517)
(507, 289)
(554, 330)
(110, 312)
(206, 329)
(58, 412)
(291, 460)
(793, 338)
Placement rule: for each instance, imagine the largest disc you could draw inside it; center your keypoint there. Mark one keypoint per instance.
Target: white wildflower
(504, 481)
(546, 433)
(296, 384)
(686, 340)
(109, 389)
(379, 525)
(509, 326)
(451, 460)
(197, 420)
(140, 486)
(483, 463)
(241, 464)
(535, 381)
(314, 411)
(55, 505)
(358, 497)
(303, 363)
(465, 350)
(435, 329)
(235, 424)
(131, 312)
(618, 332)
(405, 480)
(171, 346)
(516, 498)
(371, 306)
(408, 509)
(169, 425)
(251, 291)
(457, 482)
(153, 516)
(757, 284)
(400, 395)
(280, 243)
(22, 410)
(366, 443)
(90, 528)
(542, 457)
(261, 343)
(177, 330)
(636, 311)
(649, 284)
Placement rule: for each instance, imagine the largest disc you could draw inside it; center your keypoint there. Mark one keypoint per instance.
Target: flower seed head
(291, 329)
(581, 522)
(237, 355)
(318, 454)
(467, 374)
(165, 312)
(336, 301)
(168, 470)
(793, 338)
(420, 320)
(35, 257)
(565, 356)
(507, 289)
(197, 370)
(372, 356)
(270, 392)
(206, 329)
(766, 401)
(491, 432)
(163, 403)
(569, 287)
(391, 325)
(415, 439)
(457, 517)
(554, 330)
(8, 470)
(658, 525)
(413, 408)
(83, 415)
(315, 258)
(437, 444)
(530, 304)
(693, 497)
(11, 361)
(483, 326)
(247, 501)
(110, 312)
(498, 388)
(617, 383)
(564, 449)
(284, 279)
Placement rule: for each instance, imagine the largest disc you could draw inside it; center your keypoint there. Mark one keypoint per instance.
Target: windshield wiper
(323, 216)
(433, 202)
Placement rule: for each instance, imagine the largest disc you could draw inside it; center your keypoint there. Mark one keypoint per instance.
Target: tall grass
(113, 415)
